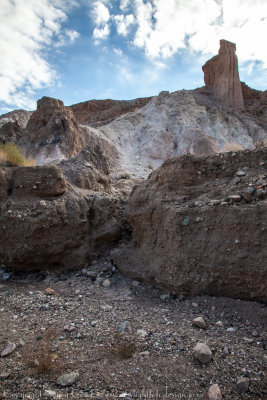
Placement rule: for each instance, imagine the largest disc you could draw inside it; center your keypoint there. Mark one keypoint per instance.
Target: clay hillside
(133, 244)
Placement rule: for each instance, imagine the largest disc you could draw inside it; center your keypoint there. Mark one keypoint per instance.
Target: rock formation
(199, 226)
(48, 219)
(222, 77)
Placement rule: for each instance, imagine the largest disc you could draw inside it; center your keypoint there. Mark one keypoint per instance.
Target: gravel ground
(125, 339)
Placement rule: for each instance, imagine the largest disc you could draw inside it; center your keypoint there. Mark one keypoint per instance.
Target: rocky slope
(199, 226)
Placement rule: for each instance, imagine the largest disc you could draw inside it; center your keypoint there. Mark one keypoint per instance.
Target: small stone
(219, 323)
(260, 194)
(144, 353)
(195, 305)
(255, 333)
(42, 203)
(200, 322)
(186, 221)
(240, 173)
(135, 283)
(242, 385)
(235, 198)
(93, 323)
(106, 283)
(49, 291)
(21, 343)
(122, 326)
(231, 329)
(248, 340)
(213, 308)
(225, 351)
(142, 333)
(8, 349)
(215, 392)
(4, 375)
(68, 379)
(203, 353)
(50, 394)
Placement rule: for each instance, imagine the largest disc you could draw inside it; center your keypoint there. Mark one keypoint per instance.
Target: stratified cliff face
(199, 226)
(222, 77)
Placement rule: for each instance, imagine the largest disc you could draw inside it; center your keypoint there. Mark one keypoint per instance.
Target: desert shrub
(125, 175)
(12, 154)
(231, 146)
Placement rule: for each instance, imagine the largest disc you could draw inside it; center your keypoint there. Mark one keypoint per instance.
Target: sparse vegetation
(12, 154)
(231, 146)
(261, 143)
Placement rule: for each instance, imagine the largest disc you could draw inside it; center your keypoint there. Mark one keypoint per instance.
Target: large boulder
(193, 230)
(222, 77)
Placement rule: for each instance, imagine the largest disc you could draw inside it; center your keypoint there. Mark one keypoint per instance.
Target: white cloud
(26, 30)
(101, 33)
(100, 13)
(162, 28)
(123, 22)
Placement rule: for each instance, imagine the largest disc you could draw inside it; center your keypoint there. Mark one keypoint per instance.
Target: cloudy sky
(77, 50)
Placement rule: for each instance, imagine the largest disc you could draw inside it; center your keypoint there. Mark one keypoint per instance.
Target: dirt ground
(125, 339)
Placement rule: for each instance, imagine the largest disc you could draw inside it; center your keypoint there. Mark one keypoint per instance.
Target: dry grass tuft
(12, 154)
(231, 146)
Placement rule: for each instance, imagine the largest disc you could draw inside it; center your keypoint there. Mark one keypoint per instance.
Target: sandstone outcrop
(194, 229)
(222, 77)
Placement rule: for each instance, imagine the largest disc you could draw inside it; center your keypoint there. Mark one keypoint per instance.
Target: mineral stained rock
(222, 77)
(220, 250)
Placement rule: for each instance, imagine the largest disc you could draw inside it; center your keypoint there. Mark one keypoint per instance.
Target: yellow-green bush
(12, 154)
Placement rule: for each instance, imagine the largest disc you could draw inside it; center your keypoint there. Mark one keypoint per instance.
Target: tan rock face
(222, 77)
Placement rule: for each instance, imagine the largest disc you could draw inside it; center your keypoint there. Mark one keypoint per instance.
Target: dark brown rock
(222, 77)
(101, 112)
(47, 221)
(189, 249)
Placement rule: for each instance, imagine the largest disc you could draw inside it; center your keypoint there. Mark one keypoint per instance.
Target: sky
(122, 49)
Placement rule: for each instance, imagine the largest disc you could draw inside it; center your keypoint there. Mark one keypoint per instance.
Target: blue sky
(122, 49)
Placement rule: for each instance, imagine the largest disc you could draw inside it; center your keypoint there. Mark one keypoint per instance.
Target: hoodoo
(222, 77)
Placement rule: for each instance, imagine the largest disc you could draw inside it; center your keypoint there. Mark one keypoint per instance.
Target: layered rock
(12, 125)
(222, 77)
(199, 226)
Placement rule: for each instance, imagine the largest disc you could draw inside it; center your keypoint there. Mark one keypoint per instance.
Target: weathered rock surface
(101, 112)
(12, 125)
(48, 219)
(52, 132)
(190, 237)
(222, 77)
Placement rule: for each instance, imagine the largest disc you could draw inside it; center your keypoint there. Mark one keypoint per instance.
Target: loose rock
(8, 349)
(242, 385)
(68, 379)
(215, 392)
(203, 353)
(200, 322)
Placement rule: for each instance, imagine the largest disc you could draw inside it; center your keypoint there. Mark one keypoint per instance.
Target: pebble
(215, 392)
(142, 333)
(200, 322)
(68, 379)
(195, 305)
(231, 329)
(106, 283)
(93, 323)
(8, 349)
(49, 291)
(21, 343)
(219, 323)
(240, 173)
(135, 283)
(50, 394)
(4, 375)
(203, 353)
(242, 385)
(235, 197)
